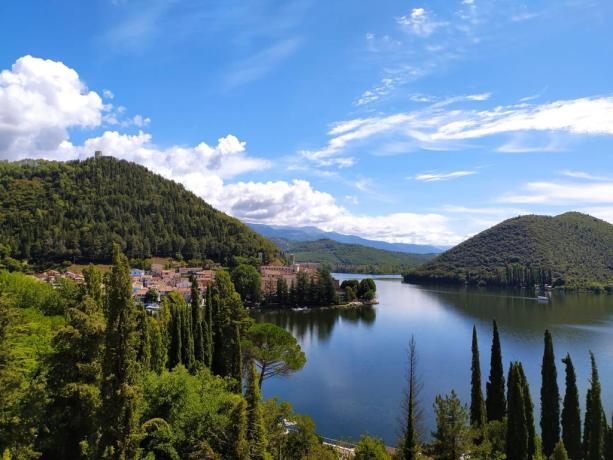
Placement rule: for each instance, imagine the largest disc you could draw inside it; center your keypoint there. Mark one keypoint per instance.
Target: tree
(410, 412)
(608, 443)
(370, 448)
(151, 296)
(282, 291)
(274, 350)
(571, 416)
(237, 432)
(256, 432)
(197, 327)
(366, 284)
(452, 435)
(517, 429)
(594, 419)
(247, 282)
(477, 404)
(559, 452)
(550, 399)
(529, 411)
(495, 398)
(118, 391)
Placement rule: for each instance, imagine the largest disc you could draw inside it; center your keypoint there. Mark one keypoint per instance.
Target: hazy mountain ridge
(311, 233)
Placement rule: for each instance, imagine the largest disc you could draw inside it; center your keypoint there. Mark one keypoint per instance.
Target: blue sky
(407, 121)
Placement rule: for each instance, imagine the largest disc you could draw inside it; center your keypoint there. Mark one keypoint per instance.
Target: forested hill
(55, 211)
(572, 249)
(351, 257)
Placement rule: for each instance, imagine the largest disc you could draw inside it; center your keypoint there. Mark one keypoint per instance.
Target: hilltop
(573, 250)
(56, 211)
(351, 257)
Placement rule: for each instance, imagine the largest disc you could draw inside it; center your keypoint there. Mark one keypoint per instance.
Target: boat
(542, 298)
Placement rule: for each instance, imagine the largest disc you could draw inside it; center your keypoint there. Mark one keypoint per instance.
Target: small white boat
(542, 298)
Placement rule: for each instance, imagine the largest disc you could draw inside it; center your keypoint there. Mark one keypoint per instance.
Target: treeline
(501, 425)
(58, 211)
(513, 275)
(85, 373)
(307, 291)
(364, 290)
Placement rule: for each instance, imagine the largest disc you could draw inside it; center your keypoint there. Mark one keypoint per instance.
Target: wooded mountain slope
(351, 257)
(574, 248)
(54, 211)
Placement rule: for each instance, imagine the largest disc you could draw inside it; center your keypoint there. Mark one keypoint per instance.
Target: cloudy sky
(405, 121)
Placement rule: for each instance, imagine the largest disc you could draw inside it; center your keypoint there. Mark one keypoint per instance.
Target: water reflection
(316, 323)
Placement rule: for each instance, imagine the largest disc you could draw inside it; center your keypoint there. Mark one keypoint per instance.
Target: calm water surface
(354, 378)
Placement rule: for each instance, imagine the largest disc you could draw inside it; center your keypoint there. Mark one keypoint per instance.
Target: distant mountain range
(572, 250)
(314, 233)
(353, 258)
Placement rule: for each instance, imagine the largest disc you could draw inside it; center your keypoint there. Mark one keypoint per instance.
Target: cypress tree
(550, 399)
(118, 421)
(187, 337)
(586, 421)
(559, 452)
(197, 332)
(477, 405)
(409, 441)
(517, 430)
(238, 447)
(571, 416)
(256, 431)
(593, 418)
(143, 353)
(175, 336)
(207, 328)
(495, 398)
(608, 444)
(528, 410)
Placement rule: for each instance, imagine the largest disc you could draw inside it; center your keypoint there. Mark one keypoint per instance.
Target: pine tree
(477, 404)
(409, 441)
(528, 410)
(256, 431)
(238, 447)
(550, 399)
(197, 332)
(517, 430)
(571, 416)
(593, 418)
(495, 399)
(118, 423)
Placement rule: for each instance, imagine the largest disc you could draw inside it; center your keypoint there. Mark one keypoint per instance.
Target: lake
(354, 379)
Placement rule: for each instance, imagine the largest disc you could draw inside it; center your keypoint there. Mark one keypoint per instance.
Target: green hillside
(351, 257)
(573, 250)
(55, 211)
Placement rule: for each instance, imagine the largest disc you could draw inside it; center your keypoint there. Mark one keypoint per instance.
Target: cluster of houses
(162, 281)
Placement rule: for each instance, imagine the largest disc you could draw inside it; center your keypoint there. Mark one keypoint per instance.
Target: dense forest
(55, 211)
(572, 250)
(351, 258)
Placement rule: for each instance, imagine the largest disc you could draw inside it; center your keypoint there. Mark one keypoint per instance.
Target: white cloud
(39, 101)
(557, 193)
(436, 177)
(419, 22)
(439, 127)
(108, 94)
(583, 175)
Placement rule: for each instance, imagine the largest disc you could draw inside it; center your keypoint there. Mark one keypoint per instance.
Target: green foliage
(26, 292)
(559, 452)
(571, 416)
(550, 399)
(594, 419)
(247, 282)
(351, 258)
(274, 350)
(256, 431)
(495, 400)
(77, 210)
(308, 291)
(408, 444)
(572, 250)
(370, 448)
(477, 403)
(517, 439)
(452, 435)
(119, 393)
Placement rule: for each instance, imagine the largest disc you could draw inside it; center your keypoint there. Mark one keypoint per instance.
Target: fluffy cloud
(440, 127)
(39, 100)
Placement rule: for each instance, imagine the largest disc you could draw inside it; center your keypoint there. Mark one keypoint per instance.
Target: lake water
(354, 379)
